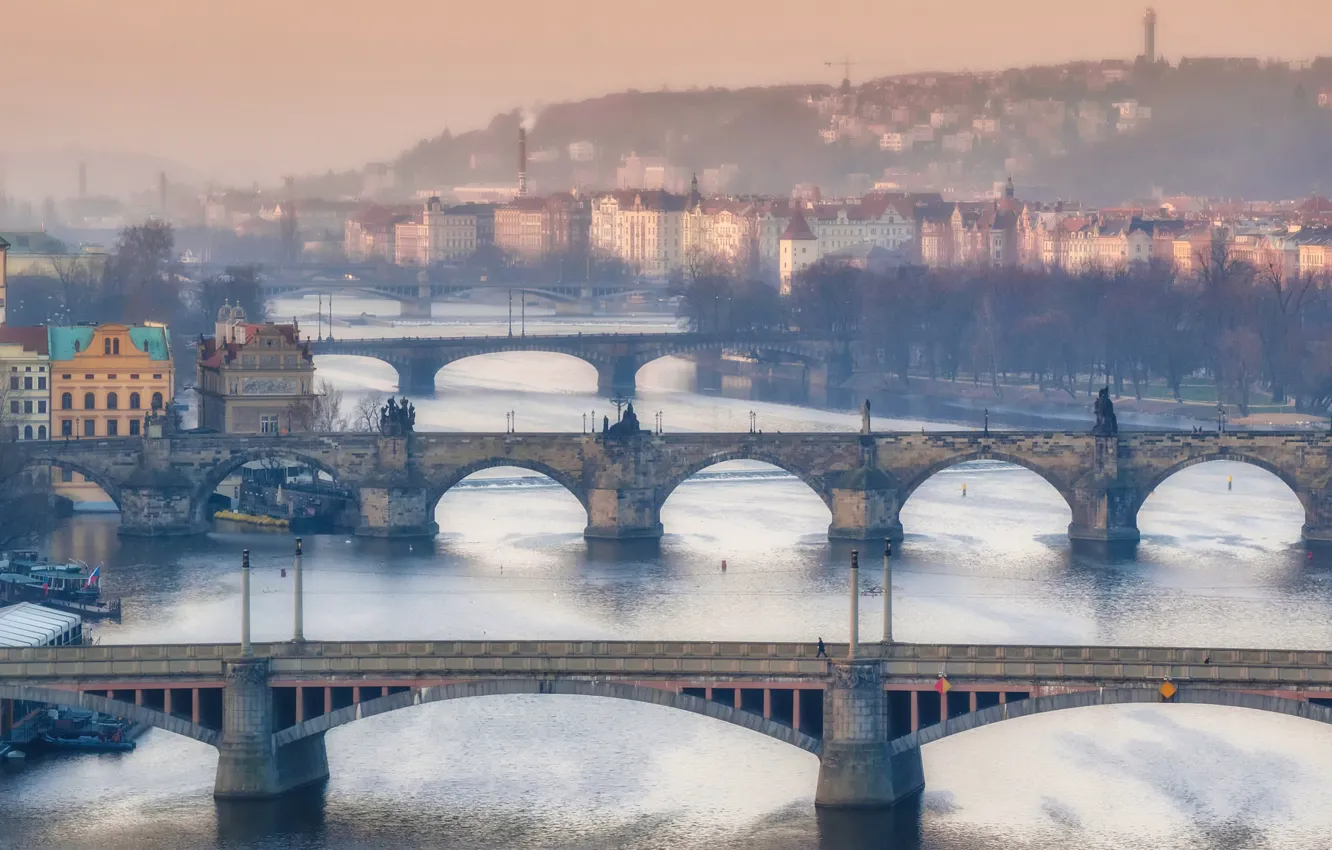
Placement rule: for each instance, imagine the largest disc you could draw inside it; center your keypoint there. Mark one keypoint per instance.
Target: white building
(645, 229)
(798, 249)
(895, 142)
(27, 382)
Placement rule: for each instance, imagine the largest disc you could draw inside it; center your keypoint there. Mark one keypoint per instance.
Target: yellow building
(105, 379)
(253, 378)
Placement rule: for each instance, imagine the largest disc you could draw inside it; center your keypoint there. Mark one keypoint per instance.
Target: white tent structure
(29, 624)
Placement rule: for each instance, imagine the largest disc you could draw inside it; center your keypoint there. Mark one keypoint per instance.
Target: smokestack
(522, 162)
(1149, 35)
(83, 180)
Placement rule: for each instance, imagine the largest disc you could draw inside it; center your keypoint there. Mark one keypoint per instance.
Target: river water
(1220, 565)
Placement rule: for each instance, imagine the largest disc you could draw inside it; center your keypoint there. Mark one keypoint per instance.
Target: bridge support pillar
(249, 766)
(158, 510)
(1105, 518)
(417, 376)
(398, 511)
(623, 514)
(858, 770)
(617, 377)
(865, 507)
(417, 308)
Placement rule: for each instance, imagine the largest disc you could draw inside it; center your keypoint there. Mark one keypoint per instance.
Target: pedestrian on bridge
(823, 650)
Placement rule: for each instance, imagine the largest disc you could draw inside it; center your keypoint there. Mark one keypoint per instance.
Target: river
(1220, 564)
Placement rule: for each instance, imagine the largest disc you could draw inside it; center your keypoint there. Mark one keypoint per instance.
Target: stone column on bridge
(622, 496)
(395, 502)
(1105, 507)
(158, 503)
(249, 766)
(857, 769)
(865, 506)
(1317, 530)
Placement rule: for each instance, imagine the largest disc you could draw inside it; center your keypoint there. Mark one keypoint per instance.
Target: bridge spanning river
(864, 713)
(162, 484)
(616, 357)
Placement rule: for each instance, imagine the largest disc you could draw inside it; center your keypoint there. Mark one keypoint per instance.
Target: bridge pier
(617, 376)
(417, 376)
(416, 308)
(857, 769)
(623, 514)
(397, 510)
(249, 765)
(1105, 510)
(865, 507)
(159, 510)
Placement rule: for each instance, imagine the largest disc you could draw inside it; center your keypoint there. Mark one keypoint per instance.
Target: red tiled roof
(32, 339)
(798, 228)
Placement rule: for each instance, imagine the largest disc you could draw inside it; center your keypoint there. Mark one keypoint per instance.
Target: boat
(89, 743)
(72, 587)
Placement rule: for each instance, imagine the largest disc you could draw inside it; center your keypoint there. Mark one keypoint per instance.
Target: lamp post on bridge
(298, 629)
(245, 604)
(887, 591)
(854, 643)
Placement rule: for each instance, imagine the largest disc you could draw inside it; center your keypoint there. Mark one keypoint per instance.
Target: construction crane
(846, 70)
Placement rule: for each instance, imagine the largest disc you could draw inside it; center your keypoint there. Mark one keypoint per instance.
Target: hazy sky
(255, 88)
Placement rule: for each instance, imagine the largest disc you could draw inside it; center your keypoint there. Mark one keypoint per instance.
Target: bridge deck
(905, 663)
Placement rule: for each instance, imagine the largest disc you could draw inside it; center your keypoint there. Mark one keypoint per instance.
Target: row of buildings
(658, 233)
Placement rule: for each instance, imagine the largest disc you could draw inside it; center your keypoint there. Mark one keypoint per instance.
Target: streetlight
(753, 421)
(584, 423)
(658, 422)
(1220, 418)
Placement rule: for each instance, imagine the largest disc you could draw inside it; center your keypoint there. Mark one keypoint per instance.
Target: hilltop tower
(1149, 36)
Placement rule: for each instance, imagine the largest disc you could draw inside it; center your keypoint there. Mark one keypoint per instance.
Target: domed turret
(224, 313)
(238, 313)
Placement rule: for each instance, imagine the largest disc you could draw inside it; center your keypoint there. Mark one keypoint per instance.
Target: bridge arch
(742, 452)
(1207, 457)
(911, 484)
(564, 687)
(114, 707)
(1110, 696)
(214, 476)
(564, 479)
(109, 485)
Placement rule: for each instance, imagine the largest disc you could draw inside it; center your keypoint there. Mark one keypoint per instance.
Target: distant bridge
(865, 717)
(616, 357)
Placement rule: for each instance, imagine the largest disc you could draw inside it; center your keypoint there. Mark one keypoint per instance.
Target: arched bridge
(865, 718)
(162, 484)
(616, 357)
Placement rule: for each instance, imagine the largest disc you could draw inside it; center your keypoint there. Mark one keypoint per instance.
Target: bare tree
(25, 491)
(322, 413)
(365, 415)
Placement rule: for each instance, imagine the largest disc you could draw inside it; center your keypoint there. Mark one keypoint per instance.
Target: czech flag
(943, 686)
(92, 578)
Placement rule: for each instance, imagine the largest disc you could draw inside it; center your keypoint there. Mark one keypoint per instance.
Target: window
(41, 406)
(106, 346)
(13, 382)
(27, 383)
(41, 383)
(41, 368)
(157, 377)
(66, 427)
(66, 377)
(90, 427)
(115, 346)
(27, 432)
(112, 401)
(66, 475)
(134, 427)
(13, 406)
(89, 401)
(111, 377)
(113, 427)
(157, 401)
(134, 377)
(66, 401)
(134, 401)
(87, 377)
(27, 405)
(41, 432)
(268, 423)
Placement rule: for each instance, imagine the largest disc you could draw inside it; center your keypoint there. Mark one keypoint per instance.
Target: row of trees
(1241, 328)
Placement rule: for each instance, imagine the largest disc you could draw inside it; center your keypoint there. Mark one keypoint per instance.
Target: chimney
(522, 162)
(1149, 36)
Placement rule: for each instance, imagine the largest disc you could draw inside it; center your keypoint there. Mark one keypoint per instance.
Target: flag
(92, 577)
(942, 686)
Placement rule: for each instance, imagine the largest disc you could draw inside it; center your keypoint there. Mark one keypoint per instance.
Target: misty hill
(1217, 127)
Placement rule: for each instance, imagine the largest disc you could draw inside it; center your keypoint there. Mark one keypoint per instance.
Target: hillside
(1102, 132)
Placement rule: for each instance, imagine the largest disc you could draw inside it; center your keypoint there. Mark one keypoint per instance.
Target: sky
(242, 90)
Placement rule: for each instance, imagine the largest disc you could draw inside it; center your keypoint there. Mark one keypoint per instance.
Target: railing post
(245, 603)
(298, 631)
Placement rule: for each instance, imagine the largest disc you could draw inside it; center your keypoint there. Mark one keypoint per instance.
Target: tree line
(1239, 328)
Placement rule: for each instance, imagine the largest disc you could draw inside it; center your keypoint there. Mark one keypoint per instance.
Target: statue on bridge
(397, 419)
(627, 426)
(1106, 425)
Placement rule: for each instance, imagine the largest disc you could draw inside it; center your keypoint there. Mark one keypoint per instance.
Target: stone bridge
(162, 484)
(865, 718)
(616, 357)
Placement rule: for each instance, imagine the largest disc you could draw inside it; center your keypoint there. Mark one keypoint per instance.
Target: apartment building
(25, 362)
